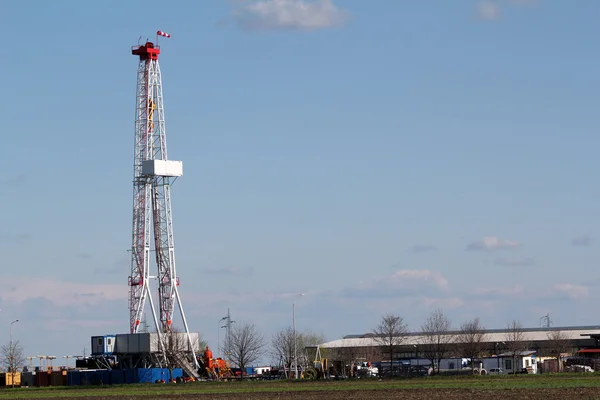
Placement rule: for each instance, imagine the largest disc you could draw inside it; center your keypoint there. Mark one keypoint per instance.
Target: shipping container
(103, 344)
(136, 343)
(28, 379)
(87, 377)
(107, 377)
(58, 378)
(121, 345)
(42, 378)
(144, 375)
(133, 343)
(131, 375)
(117, 376)
(174, 374)
(10, 379)
(73, 377)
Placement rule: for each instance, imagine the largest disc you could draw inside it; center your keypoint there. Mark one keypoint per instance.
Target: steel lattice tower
(153, 176)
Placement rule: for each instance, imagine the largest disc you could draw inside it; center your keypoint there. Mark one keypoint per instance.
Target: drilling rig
(154, 174)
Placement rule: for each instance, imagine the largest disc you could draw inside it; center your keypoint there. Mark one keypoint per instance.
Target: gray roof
(492, 336)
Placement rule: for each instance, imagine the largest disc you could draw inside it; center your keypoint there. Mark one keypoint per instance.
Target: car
(496, 371)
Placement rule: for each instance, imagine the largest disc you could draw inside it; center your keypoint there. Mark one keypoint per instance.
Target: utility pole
(295, 338)
(228, 335)
(218, 352)
(547, 319)
(11, 356)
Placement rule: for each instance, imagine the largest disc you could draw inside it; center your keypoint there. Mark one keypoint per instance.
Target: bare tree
(282, 347)
(389, 334)
(471, 339)
(434, 343)
(247, 345)
(558, 343)
(177, 349)
(516, 342)
(11, 356)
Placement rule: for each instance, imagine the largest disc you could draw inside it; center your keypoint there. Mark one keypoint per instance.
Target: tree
(282, 346)
(516, 341)
(177, 349)
(558, 343)
(247, 344)
(471, 339)
(11, 356)
(434, 343)
(389, 334)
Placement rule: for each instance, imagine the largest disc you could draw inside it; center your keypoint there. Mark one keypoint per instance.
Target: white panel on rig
(162, 168)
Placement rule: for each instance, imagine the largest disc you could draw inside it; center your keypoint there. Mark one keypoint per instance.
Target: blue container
(117, 376)
(144, 375)
(73, 378)
(176, 373)
(156, 374)
(97, 377)
(86, 377)
(131, 375)
(249, 370)
(105, 377)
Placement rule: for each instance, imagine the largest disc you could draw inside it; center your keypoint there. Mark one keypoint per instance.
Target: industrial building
(583, 340)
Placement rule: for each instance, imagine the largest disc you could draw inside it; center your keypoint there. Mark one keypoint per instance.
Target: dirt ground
(412, 394)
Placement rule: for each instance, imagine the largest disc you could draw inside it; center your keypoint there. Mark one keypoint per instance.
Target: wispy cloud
(402, 283)
(62, 293)
(499, 292)
(305, 15)
(488, 10)
(16, 180)
(421, 248)
(492, 9)
(229, 270)
(583, 240)
(492, 243)
(571, 290)
(15, 237)
(515, 262)
(84, 256)
(447, 303)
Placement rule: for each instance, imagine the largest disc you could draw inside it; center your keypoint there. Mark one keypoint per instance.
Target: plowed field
(567, 387)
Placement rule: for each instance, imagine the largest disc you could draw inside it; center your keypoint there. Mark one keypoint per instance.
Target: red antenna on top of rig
(152, 218)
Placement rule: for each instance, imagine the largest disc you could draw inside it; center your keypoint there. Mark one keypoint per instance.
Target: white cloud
(492, 243)
(488, 10)
(421, 275)
(61, 293)
(572, 291)
(446, 303)
(401, 284)
(290, 15)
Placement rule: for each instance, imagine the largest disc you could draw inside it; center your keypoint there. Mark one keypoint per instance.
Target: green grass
(557, 381)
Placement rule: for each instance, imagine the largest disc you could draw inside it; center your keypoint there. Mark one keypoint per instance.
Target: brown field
(543, 387)
(412, 394)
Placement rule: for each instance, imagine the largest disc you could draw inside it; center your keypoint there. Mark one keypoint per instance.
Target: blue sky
(379, 156)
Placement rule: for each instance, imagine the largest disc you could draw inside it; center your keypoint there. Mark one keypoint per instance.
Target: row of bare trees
(437, 340)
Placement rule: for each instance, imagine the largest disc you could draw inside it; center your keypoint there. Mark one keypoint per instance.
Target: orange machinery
(215, 367)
